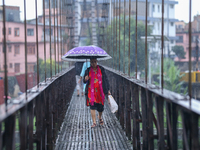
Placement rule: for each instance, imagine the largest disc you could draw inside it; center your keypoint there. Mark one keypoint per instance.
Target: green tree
(179, 51)
(65, 37)
(48, 68)
(111, 40)
(172, 77)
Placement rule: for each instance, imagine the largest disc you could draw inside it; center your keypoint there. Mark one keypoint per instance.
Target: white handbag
(112, 104)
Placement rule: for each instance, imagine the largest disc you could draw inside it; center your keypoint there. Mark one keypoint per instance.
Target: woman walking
(96, 88)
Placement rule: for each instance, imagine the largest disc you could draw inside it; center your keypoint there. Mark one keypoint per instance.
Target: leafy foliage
(172, 77)
(48, 68)
(113, 43)
(179, 51)
(65, 38)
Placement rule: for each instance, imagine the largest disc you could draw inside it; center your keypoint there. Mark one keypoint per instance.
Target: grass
(179, 144)
(179, 121)
(17, 124)
(17, 146)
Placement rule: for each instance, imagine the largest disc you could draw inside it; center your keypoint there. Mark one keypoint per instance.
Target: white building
(155, 19)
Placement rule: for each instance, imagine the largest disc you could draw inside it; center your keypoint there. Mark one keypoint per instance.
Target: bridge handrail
(32, 93)
(38, 118)
(151, 116)
(181, 100)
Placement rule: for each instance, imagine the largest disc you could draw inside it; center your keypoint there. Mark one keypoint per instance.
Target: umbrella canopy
(82, 53)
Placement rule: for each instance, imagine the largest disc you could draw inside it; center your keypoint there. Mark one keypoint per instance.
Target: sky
(30, 7)
(181, 9)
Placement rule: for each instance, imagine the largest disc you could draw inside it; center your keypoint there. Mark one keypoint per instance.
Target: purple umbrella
(82, 53)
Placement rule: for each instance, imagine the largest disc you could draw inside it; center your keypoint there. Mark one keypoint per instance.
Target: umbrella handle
(87, 67)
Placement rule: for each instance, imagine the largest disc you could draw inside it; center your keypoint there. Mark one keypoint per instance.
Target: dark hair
(92, 58)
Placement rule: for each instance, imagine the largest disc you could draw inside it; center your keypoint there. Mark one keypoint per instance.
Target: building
(155, 20)
(15, 46)
(12, 13)
(83, 18)
(154, 17)
(183, 40)
(15, 38)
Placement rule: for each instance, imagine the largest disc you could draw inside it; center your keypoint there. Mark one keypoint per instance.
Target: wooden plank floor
(76, 132)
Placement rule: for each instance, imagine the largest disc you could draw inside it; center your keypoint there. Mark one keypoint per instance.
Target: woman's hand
(109, 92)
(87, 78)
(108, 97)
(79, 81)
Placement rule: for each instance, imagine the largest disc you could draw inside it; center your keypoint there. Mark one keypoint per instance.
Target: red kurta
(97, 91)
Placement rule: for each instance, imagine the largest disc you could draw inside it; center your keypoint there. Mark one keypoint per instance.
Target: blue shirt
(85, 66)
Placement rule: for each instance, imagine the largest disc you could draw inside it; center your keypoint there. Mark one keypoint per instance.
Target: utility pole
(197, 53)
(197, 57)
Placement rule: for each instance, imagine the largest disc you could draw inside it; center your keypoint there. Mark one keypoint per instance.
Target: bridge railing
(154, 118)
(34, 122)
(151, 117)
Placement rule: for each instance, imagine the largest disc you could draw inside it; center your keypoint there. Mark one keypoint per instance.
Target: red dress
(97, 93)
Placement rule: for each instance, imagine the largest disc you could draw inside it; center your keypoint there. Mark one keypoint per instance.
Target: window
(30, 32)
(30, 49)
(16, 31)
(158, 8)
(172, 23)
(30, 67)
(153, 45)
(17, 67)
(153, 8)
(9, 31)
(47, 31)
(9, 48)
(16, 49)
(172, 41)
(52, 49)
(180, 39)
(47, 21)
(194, 38)
(180, 26)
(3, 31)
(171, 6)
(158, 26)
(10, 65)
(153, 26)
(62, 32)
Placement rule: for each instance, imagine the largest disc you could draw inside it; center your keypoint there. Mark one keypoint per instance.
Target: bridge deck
(76, 132)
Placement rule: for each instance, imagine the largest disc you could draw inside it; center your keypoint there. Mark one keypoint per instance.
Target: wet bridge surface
(76, 132)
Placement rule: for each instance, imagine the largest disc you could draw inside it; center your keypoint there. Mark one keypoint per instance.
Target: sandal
(101, 121)
(94, 125)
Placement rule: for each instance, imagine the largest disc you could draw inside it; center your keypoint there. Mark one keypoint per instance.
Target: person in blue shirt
(78, 66)
(85, 66)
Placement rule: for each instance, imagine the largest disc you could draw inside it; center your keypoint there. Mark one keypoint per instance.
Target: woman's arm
(86, 76)
(106, 82)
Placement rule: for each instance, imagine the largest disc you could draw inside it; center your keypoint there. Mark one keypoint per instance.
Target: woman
(96, 88)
